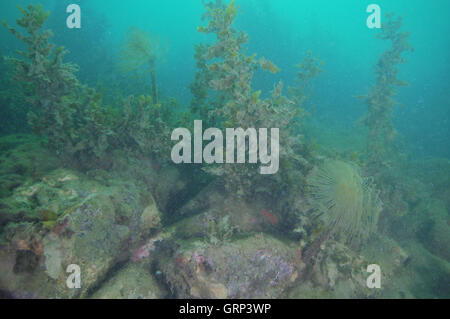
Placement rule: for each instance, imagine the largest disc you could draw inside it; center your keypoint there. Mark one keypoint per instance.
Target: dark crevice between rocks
(26, 261)
(196, 180)
(111, 273)
(164, 251)
(161, 280)
(116, 268)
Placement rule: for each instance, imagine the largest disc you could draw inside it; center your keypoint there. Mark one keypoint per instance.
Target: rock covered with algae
(77, 220)
(133, 281)
(428, 223)
(259, 266)
(339, 272)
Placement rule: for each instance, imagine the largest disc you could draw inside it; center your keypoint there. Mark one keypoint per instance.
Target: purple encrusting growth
(263, 268)
(255, 267)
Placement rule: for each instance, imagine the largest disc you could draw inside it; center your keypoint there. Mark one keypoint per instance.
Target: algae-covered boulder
(337, 272)
(386, 253)
(133, 281)
(429, 224)
(91, 222)
(439, 242)
(93, 240)
(256, 267)
(434, 229)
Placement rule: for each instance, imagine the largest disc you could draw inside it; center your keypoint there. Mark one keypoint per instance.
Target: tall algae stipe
(143, 48)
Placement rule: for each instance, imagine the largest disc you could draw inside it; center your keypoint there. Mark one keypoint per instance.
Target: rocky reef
(93, 185)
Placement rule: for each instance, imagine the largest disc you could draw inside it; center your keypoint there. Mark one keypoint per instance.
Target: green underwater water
(87, 177)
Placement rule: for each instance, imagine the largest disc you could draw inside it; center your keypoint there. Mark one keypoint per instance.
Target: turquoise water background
(282, 31)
